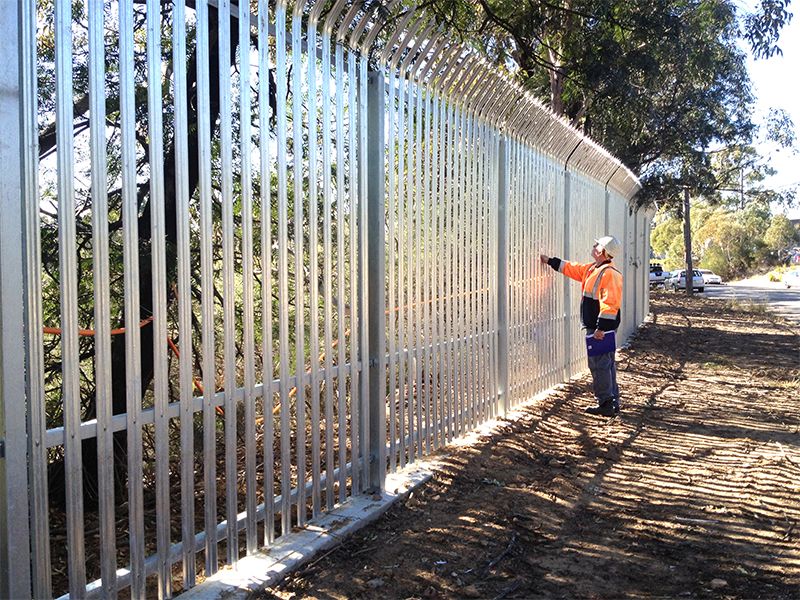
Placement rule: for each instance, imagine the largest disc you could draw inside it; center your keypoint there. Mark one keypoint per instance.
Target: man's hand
(544, 258)
(599, 334)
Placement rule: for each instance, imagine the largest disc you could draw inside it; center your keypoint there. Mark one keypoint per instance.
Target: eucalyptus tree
(781, 236)
(657, 82)
(84, 198)
(732, 179)
(660, 83)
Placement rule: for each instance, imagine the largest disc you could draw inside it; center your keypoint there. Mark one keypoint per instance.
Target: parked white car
(791, 278)
(657, 274)
(709, 277)
(677, 281)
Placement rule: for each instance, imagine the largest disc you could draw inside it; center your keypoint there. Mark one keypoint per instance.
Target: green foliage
(715, 260)
(780, 128)
(762, 28)
(781, 233)
(667, 242)
(660, 83)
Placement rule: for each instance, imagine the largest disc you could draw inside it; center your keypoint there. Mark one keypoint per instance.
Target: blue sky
(776, 84)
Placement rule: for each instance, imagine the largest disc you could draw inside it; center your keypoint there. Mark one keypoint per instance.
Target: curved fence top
(416, 49)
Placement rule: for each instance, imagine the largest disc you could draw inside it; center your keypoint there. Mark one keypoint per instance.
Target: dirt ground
(693, 491)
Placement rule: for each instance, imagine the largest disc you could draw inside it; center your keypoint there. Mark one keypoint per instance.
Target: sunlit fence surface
(254, 257)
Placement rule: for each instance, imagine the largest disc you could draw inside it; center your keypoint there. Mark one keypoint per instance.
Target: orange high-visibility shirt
(602, 292)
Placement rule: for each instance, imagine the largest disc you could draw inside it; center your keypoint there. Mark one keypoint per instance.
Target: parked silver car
(791, 279)
(677, 281)
(709, 277)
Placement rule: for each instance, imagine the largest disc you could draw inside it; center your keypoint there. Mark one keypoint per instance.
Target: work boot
(603, 410)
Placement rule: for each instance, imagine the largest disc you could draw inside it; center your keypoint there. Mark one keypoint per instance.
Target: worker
(601, 287)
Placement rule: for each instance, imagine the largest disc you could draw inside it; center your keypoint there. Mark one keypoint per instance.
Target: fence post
(624, 264)
(634, 264)
(567, 282)
(503, 394)
(648, 230)
(376, 278)
(15, 577)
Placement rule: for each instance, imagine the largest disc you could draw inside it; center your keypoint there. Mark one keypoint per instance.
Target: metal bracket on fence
(2, 448)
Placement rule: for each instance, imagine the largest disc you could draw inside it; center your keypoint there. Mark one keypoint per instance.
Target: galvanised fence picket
(255, 256)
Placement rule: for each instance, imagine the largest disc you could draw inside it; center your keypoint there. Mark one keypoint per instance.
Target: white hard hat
(610, 244)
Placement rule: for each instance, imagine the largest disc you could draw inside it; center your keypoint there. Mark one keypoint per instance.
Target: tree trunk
(556, 84)
(146, 359)
(687, 241)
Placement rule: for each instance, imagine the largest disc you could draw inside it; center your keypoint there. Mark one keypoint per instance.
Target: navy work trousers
(604, 379)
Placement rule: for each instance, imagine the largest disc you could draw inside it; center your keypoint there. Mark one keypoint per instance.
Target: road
(779, 300)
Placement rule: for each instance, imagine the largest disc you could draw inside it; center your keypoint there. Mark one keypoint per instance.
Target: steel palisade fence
(357, 279)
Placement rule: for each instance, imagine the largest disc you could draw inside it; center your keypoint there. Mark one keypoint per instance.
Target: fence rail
(305, 240)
